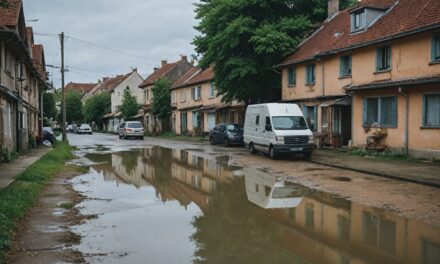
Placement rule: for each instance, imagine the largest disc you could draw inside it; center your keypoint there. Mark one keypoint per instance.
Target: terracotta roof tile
(80, 88)
(9, 16)
(182, 81)
(199, 76)
(38, 60)
(159, 73)
(403, 17)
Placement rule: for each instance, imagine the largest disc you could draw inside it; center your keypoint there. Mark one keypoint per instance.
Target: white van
(277, 129)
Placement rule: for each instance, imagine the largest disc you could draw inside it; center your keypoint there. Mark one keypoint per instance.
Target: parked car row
(275, 129)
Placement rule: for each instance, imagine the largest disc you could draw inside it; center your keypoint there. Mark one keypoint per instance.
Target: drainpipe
(406, 119)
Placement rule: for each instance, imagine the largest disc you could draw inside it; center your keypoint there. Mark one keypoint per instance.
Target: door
(211, 121)
(183, 123)
(268, 134)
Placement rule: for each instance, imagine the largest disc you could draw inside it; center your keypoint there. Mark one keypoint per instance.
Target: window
(196, 93)
(378, 233)
(183, 95)
(380, 111)
(383, 58)
(435, 53)
(309, 216)
(147, 95)
(358, 20)
(211, 90)
(310, 74)
(257, 121)
(431, 110)
(173, 96)
(345, 66)
(291, 77)
(268, 121)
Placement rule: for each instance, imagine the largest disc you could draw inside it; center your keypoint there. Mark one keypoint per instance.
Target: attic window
(358, 20)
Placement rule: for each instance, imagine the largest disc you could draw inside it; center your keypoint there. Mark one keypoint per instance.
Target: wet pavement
(184, 203)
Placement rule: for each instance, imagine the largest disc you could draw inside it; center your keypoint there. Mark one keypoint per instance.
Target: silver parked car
(84, 129)
(131, 129)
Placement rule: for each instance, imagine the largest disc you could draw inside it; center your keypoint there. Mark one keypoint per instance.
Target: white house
(116, 86)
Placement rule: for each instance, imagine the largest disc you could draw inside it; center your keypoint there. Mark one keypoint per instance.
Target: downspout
(406, 120)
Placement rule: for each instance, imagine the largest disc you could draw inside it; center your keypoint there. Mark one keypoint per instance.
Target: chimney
(155, 69)
(333, 7)
(134, 69)
(183, 57)
(163, 63)
(105, 79)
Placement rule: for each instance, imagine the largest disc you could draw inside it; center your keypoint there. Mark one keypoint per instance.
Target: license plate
(296, 149)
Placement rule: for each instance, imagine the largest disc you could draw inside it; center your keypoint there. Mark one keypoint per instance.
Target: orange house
(370, 76)
(197, 106)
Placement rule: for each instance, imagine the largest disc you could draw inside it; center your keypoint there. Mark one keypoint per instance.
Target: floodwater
(160, 205)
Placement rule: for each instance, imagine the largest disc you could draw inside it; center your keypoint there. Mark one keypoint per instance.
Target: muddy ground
(45, 235)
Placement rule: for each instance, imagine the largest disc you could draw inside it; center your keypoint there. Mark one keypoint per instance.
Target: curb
(389, 176)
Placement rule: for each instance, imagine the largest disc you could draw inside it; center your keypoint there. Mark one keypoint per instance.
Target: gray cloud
(151, 29)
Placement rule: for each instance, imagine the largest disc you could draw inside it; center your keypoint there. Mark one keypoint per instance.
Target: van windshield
(289, 123)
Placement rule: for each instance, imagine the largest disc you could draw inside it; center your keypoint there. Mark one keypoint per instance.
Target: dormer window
(358, 20)
(365, 17)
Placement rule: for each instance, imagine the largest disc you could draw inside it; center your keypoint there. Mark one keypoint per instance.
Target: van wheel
(211, 141)
(252, 149)
(272, 153)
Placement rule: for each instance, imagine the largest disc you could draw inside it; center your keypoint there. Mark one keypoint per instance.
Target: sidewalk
(8, 171)
(417, 172)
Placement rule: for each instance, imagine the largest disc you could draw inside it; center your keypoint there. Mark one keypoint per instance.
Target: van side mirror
(268, 128)
(312, 127)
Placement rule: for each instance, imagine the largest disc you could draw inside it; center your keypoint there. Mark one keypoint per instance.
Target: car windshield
(134, 125)
(234, 128)
(289, 123)
(85, 126)
(48, 129)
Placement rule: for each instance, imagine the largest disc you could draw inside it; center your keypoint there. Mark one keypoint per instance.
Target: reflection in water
(259, 218)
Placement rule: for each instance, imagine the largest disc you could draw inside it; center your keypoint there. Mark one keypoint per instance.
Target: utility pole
(63, 103)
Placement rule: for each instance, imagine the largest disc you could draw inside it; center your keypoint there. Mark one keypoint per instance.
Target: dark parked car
(48, 134)
(226, 134)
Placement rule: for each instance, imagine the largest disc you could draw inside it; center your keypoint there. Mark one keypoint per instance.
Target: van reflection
(271, 192)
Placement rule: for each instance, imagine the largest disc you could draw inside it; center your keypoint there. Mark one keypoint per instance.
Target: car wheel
(252, 149)
(272, 153)
(226, 142)
(307, 155)
(211, 141)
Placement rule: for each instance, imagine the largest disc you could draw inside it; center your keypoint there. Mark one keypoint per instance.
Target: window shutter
(364, 111)
(199, 92)
(378, 59)
(394, 111)
(193, 93)
(341, 66)
(349, 65)
(424, 110)
(389, 57)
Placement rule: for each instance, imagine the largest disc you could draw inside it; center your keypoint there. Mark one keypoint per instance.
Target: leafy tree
(73, 107)
(96, 107)
(129, 107)
(244, 39)
(161, 105)
(49, 106)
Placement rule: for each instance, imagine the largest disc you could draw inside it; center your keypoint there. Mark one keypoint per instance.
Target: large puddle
(160, 205)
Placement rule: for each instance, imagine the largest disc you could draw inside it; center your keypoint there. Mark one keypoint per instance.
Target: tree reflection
(232, 230)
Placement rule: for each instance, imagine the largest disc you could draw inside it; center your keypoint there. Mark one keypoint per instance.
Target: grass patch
(384, 155)
(20, 196)
(174, 136)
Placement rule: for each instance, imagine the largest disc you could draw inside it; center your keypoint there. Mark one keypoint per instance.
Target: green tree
(129, 107)
(161, 105)
(73, 107)
(96, 107)
(49, 106)
(244, 39)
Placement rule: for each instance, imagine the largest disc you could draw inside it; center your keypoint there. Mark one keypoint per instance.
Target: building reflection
(260, 218)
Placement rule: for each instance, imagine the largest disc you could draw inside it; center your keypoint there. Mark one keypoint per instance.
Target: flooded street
(164, 204)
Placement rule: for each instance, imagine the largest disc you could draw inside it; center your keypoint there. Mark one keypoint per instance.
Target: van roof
(277, 109)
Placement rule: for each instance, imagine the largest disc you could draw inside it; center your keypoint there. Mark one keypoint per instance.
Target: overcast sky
(148, 30)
